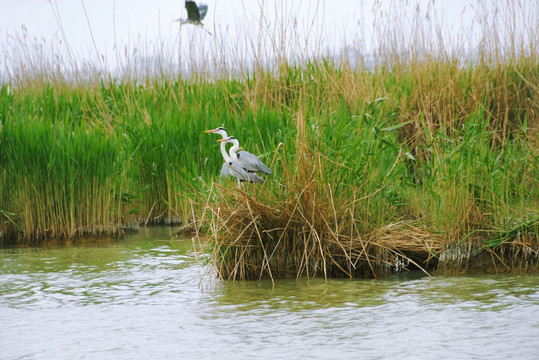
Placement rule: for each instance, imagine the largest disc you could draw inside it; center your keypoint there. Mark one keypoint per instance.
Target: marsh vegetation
(428, 158)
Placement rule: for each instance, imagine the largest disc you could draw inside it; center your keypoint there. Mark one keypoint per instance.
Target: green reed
(56, 182)
(365, 161)
(459, 166)
(357, 167)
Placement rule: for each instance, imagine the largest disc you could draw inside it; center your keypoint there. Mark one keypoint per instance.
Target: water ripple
(143, 297)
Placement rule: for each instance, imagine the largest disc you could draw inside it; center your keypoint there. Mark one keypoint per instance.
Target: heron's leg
(202, 26)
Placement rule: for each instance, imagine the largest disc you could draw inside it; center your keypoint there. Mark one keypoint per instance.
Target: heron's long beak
(209, 131)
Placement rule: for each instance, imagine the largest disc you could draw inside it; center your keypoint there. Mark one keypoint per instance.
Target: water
(143, 297)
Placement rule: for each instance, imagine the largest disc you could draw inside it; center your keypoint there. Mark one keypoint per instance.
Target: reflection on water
(143, 297)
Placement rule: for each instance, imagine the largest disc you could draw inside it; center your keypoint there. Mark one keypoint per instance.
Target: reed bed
(308, 231)
(55, 180)
(367, 213)
(428, 158)
(369, 187)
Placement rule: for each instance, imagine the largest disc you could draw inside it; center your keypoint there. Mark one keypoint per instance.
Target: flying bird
(231, 168)
(195, 14)
(245, 159)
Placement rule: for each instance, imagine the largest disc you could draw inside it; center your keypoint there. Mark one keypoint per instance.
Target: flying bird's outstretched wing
(203, 10)
(193, 14)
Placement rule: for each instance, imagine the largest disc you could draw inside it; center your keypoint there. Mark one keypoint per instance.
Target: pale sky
(111, 32)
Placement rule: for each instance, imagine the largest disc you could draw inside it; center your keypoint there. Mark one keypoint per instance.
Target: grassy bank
(421, 175)
(422, 161)
(355, 154)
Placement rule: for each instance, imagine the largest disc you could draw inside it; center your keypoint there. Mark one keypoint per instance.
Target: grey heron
(195, 14)
(231, 168)
(245, 159)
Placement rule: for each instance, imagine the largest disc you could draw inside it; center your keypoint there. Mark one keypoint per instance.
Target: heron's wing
(203, 10)
(233, 169)
(225, 170)
(251, 177)
(250, 162)
(239, 173)
(192, 11)
(254, 178)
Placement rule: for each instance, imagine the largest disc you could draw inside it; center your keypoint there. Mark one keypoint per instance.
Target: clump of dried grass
(513, 250)
(304, 229)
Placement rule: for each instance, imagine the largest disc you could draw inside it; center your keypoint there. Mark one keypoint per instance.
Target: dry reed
(305, 228)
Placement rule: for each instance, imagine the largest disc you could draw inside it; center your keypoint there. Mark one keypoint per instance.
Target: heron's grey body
(231, 168)
(246, 160)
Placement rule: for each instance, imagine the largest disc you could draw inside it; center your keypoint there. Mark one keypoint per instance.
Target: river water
(146, 296)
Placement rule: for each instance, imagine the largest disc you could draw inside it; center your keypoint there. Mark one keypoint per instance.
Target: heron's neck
(234, 149)
(223, 152)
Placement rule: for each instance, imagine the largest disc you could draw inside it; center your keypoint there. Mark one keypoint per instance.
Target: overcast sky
(111, 30)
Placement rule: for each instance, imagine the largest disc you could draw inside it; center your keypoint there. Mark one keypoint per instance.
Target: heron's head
(220, 130)
(227, 139)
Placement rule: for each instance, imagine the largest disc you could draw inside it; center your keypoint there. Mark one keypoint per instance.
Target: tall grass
(426, 156)
(56, 184)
